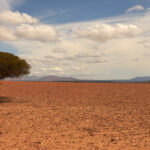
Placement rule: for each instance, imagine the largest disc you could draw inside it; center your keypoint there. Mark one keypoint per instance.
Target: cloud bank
(8, 4)
(5, 5)
(43, 33)
(14, 18)
(6, 34)
(105, 32)
(113, 48)
(15, 26)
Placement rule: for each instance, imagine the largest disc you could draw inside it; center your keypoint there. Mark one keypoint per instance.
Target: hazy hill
(140, 79)
(58, 78)
(44, 78)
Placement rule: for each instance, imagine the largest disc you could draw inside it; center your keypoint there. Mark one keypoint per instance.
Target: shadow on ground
(5, 99)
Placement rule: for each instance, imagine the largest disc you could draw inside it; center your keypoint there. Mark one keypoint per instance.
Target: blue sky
(64, 11)
(88, 39)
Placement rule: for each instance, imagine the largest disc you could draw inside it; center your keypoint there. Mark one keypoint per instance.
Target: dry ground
(74, 116)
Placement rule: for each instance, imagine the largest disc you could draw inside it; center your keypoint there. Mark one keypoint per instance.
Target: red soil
(74, 116)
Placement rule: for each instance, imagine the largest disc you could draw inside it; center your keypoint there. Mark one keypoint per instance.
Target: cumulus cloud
(6, 34)
(14, 18)
(83, 57)
(43, 33)
(8, 4)
(21, 26)
(135, 8)
(4, 5)
(39, 32)
(105, 32)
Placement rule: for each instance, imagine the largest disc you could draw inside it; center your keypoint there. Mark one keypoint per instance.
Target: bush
(12, 66)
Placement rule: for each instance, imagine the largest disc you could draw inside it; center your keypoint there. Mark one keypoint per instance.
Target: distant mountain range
(140, 79)
(44, 78)
(56, 78)
(70, 79)
(136, 79)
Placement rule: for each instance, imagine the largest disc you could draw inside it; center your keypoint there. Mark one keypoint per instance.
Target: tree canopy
(12, 66)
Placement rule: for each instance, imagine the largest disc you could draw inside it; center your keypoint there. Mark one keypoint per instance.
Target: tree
(12, 66)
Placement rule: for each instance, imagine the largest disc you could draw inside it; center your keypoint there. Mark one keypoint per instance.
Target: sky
(86, 39)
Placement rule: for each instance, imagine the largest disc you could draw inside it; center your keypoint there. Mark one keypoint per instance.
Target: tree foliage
(12, 66)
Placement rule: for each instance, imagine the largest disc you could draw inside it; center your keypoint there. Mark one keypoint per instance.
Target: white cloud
(14, 18)
(16, 26)
(6, 34)
(24, 27)
(8, 4)
(43, 33)
(39, 32)
(5, 5)
(105, 32)
(135, 8)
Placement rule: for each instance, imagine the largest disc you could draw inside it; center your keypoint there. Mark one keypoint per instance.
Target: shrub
(12, 66)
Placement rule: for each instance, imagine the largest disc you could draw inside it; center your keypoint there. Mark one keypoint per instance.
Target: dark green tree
(12, 66)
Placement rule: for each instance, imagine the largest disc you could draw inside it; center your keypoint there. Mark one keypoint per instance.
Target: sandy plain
(74, 116)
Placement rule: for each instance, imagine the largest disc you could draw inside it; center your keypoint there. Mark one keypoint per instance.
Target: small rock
(112, 139)
(38, 142)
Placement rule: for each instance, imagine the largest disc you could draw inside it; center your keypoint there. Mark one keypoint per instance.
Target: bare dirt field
(74, 116)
